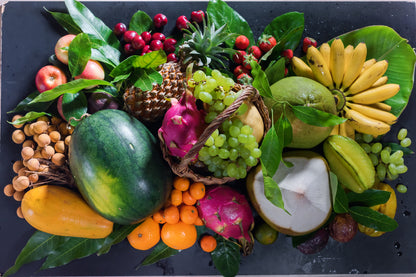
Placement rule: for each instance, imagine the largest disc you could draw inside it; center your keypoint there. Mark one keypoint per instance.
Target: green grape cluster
(232, 148)
(388, 164)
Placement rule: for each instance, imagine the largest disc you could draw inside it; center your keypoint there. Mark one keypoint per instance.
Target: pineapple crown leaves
(206, 46)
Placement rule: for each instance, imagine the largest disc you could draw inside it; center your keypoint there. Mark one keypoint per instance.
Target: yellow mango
(61, 211)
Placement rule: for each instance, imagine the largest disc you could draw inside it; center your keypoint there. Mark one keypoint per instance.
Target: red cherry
(128, 49)
(197, 16)
(172, 57)
(129, 35)
(158, 36)
(146, 36)
(138, 42)
(182, 22)
(156, 45)
(160, 20)
(169, 45)
(120, 29)
(146, 49)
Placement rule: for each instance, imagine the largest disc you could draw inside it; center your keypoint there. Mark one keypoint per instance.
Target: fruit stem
(340, 100)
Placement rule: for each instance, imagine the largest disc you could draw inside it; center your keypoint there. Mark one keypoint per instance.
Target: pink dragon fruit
(182, 124)
(228, 213)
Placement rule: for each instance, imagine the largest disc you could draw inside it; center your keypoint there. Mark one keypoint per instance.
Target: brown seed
(22, 171)
(29, 143)
(47, 152)
(18, 136)
(40, 127)
(67, 140)
(55, 120)
(21, 183)
(58, 159)
(33, 178)
(16, 117)
(19, 212)
(33, 164)
(60, 146)
(8, 190)
(18, 195)
(55, 136)
(27, 153)
(27, 130)
(17, 165)
(44, 140)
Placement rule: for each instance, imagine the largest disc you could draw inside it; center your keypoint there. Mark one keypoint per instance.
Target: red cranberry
(197, 16)
(172, 57)
(146, 49)
(120, 29)
(128, 49)
(160, 20)
(146, 36)
(238, 57)
(129, 35)
(169, 45)
(138, 42)
(182, 22)
(156, 45)
(158, 36)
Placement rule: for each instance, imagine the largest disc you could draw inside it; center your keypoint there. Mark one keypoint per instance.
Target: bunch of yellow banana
(358, 84)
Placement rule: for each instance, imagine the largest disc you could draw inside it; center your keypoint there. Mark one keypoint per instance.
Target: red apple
(61, 48)
(93, 70)
(49, 77)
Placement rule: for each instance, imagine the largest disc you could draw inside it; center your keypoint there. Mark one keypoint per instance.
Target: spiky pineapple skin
(150, 106)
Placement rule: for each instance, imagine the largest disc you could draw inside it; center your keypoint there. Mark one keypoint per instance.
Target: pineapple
(202, 47)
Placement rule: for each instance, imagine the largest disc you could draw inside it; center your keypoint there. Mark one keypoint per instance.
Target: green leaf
(70, 87)
(119, 233)
(276, 71)
(271, 152)
(340, 204)
(30, 116)
(368, 198)
(273, 193)
(24, 105)
(260, 80)
(38, 247)
(79, 52)
(385, 43)
(150, 60)
(316, 117)
(287, 29)
(66, 21)
(105, 53)
(90, 24)
(74, 106)
(222, 14)
(226, 257)
(140, 22)
(160, 252)
(124, 68)
(72, 248)
(147, 78)
(373, 219)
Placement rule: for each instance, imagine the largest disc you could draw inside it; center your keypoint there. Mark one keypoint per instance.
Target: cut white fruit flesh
(305, 190)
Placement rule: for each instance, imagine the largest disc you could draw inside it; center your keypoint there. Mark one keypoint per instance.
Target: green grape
(210, 117)
(242, 172)
(393, 169)
(226, 125)
(400, 169)
(228, 83)
(234, 131)
(358, 137)
(219, 106)
(246, 130)
(406, 142)
(388, 149)
(366, 147)
(232, 170)
(199, 76)
(251, 161)
(217, 161)
(215, 133)
(191, 83)
(367, 138)
(213, 150)
(224, 153)
(400, 161)
(220, 94)
(198, 90)
(381, 171)
(212, 167)
(401, 188)
(395, 157)
(233, 154)
(242, 138)
(210, 141)
(242, 109)
(216, 74)
(385, 156)
(219, 140)
(251, 138)
(376, 147)
(374, 158)
(205, 97)
(229, 99)
(224, 173)
(244, 152)
(233, 142)
(210, 84)
(255, 152)
(402, 134)
(251, 144)
(237, 122)
(218, 173)
(391, 176)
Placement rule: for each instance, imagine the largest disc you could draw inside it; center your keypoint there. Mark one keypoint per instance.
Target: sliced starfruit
(350, 163)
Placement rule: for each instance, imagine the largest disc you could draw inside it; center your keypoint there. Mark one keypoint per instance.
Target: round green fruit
(118, 167)
(264, 233)
(300, 91)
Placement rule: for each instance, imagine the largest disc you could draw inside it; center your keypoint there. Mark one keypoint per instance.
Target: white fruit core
(305, 191)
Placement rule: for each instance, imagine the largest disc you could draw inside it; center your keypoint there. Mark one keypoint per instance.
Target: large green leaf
(140, 22)
(160, 252)
(79, 52)
(74, 106)
(385, 43)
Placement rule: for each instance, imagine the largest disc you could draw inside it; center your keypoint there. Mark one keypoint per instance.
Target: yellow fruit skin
(368, 77)
(319, 67)
(366, 125)
(354, 65)
(389, 208)
(374, 113)
(252, 118)
(301, 68)
(60, 211)
(337, 61)
(374, 95)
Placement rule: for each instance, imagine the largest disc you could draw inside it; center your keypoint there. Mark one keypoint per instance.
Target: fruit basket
(323, 21)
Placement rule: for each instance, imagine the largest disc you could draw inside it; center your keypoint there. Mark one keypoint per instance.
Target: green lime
(265, 234)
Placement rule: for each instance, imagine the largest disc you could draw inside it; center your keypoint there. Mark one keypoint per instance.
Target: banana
(336, 62)
(381, 81)
(335, 130)
(355, 65)
(319, 67)
(366, 125)
(367, 64)
(346, 130)
(325, 50)
(301, 68)
(374, 113)
(347, 56)
(368, 77)
(342, 129)
(374, 95)
(381, 106)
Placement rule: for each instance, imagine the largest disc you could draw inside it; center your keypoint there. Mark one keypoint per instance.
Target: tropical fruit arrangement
(208, 137)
